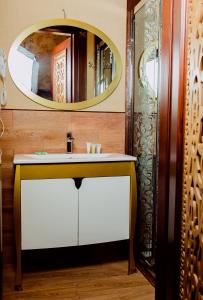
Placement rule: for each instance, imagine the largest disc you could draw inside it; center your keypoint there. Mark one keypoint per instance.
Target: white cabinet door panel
(49, 213)
(104, 209)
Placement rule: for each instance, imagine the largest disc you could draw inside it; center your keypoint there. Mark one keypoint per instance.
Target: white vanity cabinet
(104, 205)
(49, 213)
(73, 203)
(54, 213)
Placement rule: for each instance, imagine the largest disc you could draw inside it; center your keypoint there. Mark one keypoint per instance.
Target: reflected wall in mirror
(65, 64)
(148, 69)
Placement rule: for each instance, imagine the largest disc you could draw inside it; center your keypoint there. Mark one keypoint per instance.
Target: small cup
(94, 148)
(98, 148)
(89, 146)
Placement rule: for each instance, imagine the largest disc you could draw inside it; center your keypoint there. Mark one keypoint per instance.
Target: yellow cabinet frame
(72, 170)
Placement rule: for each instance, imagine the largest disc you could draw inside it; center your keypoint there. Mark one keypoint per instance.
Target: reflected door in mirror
(61, 72)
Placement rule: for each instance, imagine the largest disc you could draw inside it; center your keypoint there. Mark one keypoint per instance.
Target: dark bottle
(69, 142)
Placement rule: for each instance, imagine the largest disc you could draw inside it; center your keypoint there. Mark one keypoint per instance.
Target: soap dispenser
(69, 142)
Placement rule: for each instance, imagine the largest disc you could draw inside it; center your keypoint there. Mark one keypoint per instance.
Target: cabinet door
(104, 209)
(49, 213)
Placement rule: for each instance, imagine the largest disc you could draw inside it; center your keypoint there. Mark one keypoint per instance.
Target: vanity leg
(133, 213)
(18, 275)
(17, 225)
(131, 260)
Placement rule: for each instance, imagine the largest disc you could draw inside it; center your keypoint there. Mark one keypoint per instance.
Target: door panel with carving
(191, 281)
(62, 72)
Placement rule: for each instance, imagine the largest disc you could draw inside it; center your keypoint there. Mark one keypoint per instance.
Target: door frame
(171, 95)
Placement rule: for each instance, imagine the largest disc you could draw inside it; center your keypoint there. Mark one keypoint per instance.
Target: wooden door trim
(172, 90)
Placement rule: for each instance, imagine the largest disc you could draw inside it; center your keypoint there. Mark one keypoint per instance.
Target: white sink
(69, 156)
(89, 155)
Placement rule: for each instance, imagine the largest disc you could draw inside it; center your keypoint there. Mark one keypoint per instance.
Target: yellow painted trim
(51, 171)
(68, 106)
(17, 227)
(133, 188)
(133, 217)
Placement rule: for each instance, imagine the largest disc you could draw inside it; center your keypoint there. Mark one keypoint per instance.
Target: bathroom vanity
(63, 200)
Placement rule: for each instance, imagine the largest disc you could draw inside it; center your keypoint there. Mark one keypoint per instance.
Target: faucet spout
(70, 139)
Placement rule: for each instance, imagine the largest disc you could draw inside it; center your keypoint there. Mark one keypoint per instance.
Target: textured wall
(107, 15)
(29, 131)
(41, 45)
(29, 128)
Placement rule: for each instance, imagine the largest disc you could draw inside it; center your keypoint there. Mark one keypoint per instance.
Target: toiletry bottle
(69, 142)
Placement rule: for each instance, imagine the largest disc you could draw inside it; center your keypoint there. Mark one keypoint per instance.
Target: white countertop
(54, 158)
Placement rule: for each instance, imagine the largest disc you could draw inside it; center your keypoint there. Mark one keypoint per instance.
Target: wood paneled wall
(30, 131)
(191, 261)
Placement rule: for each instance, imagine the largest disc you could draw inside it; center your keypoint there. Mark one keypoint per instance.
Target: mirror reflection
(152, 71)
(65, 64)
(148, 69)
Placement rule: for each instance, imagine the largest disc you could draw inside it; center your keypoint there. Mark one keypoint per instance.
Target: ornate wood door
(62, 72)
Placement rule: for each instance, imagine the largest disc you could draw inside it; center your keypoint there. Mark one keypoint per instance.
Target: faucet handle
(69, 136)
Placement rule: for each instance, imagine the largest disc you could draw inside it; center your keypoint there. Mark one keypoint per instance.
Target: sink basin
(69, 156)
(89, 155)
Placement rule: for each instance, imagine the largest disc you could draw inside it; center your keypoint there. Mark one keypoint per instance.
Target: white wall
(107, 15)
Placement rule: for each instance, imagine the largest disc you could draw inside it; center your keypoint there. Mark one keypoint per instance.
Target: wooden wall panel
(191, 278)
(30, 131)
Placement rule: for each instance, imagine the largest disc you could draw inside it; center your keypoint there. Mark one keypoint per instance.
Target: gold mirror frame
(68, 106)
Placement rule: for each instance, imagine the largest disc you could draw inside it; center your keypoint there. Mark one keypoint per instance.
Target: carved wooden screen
(62, 71)
(59, 77)
(191, 281)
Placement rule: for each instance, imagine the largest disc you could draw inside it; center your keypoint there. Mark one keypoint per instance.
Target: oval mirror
(148, 69)
(64, 64)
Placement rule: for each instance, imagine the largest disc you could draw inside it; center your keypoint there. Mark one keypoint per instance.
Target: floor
(107, 281)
